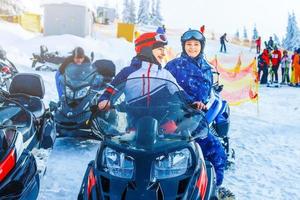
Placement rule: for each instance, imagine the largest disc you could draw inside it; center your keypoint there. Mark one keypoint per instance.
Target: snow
(265, 138)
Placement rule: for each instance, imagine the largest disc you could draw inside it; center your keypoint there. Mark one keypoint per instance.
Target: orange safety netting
(240, 83)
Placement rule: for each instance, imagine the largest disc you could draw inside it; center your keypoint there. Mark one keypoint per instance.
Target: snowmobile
(26, 132)
(7, 70)
(46, 61)
(83, 84)
(151, 153)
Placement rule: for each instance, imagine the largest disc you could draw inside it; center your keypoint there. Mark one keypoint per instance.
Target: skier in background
(202, 29)
(270, 44)
(263, 66)
(276, 59)
(296, 65)
(292, 83)
(222, 41)
(285, 65)
(258, 44)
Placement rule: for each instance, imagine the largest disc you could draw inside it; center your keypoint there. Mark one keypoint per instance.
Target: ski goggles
(157, 38)
(161, 38)
(192, 34)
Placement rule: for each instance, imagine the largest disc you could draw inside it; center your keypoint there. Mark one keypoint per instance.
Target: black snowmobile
(83, 84)
(151, 153)
(26, 129)
(7, 70)
(47, 61)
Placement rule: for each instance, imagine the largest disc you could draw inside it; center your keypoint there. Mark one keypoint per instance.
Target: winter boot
(225, 194)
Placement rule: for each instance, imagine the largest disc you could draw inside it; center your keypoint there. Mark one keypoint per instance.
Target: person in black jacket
(222, 41)
(78, 57)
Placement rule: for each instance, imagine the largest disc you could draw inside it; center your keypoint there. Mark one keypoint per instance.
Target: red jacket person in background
(276, 59)
(258, 45)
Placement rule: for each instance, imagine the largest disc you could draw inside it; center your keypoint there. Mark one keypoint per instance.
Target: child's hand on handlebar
(104, 105)
(199, 105)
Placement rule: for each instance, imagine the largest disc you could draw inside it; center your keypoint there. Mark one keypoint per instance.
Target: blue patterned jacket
(193, 75)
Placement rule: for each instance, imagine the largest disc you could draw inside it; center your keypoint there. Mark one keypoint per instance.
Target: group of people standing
(272, 59)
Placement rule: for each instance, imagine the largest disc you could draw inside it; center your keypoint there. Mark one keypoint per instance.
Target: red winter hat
(151, 39)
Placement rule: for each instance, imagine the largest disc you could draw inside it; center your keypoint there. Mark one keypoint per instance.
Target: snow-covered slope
(265, 138)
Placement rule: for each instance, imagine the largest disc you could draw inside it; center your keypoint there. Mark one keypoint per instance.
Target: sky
(221, 16)
(269, 16)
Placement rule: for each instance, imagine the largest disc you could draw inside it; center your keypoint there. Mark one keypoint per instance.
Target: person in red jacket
(276, 59)
(263, 65)
(202, 29)
(258, 45)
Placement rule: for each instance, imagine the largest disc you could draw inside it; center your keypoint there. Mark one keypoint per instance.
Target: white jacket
(147, 80)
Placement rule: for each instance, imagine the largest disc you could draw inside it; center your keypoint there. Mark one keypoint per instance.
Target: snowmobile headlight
(171, 165)
(69, 93)
(82, 92)
(118, 164)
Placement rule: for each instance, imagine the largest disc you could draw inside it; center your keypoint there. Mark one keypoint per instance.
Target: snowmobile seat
(27, 83)
(25, 124)
(36, 106)
(31, 103)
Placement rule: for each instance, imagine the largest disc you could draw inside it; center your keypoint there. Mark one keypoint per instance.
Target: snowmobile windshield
(6, 113)
(151, 111)
(7, 138)
(12, 115)
(78, 76)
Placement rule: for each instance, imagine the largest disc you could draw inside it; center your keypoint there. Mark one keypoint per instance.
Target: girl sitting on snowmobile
(194, 75)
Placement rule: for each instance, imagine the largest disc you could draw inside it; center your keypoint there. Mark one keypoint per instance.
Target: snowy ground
(265, 138)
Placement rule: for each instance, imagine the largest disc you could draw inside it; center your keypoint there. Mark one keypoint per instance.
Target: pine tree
(245, 33)
(132, 12)
(143, 13)
(125, 13)
(153, 12)
(237, 35)
(276, 40)
(11, 7)
(292, 38)
(158, 15)
(255, 33)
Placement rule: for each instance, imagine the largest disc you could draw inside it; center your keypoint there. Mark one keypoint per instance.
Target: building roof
(88, 4)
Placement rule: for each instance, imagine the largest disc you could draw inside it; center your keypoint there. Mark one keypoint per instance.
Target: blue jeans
(214, 152)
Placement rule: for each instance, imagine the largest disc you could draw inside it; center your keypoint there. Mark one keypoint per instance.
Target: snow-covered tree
(255, 33)
(153, 12)
(143, 12)
(237, 35)
(276, 40)
(125, 13)
(292, 38)
(245, 33)
(11, 7)
(132, 12)
(158, 17)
